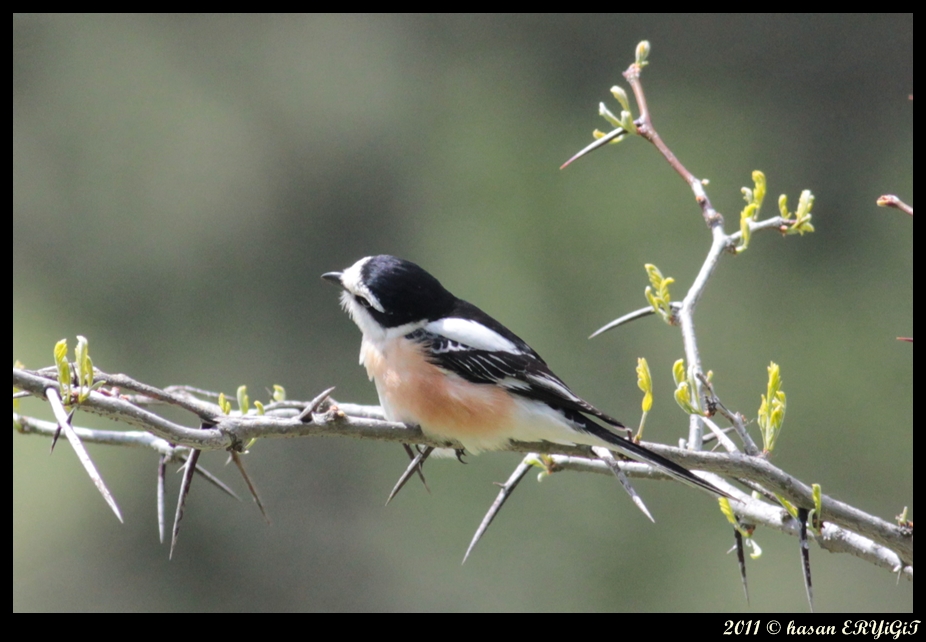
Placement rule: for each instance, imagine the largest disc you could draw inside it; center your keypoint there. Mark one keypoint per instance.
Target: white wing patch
(471, 334)
(555, 386)
(516, 384)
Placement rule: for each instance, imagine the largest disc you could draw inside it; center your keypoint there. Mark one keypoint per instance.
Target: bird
(443, 364)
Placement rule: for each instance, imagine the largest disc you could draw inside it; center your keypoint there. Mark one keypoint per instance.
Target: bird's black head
(392, 291)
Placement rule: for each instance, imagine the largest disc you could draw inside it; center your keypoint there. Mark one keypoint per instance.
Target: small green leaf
(805, 203)
(683, 398)
(754, 197)
(64, 370)
(645, 383)
(745, 228)
(244, 403)
(684, 385)
(657, 293)
(651, 298)
(543, 462)
(816, 515)
(727, 510)
(621, 97)
(260, 407)
(783, 206)
(84, 368)
(279, 393)
(774, 378)
(802, 216)
(224, 404)
(642, 53)
(788, 506)
(772, 408)
(758, 179)
(605, 113)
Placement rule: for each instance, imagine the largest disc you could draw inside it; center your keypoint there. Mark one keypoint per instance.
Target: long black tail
(647, 456)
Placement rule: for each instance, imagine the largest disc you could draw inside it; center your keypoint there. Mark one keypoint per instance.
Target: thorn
(627, 318)
(459, 452)
(802, 514)
(605, 455)
(741, 558)
(162, 469)
(54, 440)
(64, 424)
(215, 481)
(314, 404)
(412, 467)
(253, 489)
(600, 142)
(503, 494)
(188, 471)
(411, 455)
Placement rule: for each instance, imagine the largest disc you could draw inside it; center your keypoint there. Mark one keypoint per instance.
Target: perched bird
(447, 366)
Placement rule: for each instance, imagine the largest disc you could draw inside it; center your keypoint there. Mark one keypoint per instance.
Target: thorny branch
(682, 315)
(231, 431)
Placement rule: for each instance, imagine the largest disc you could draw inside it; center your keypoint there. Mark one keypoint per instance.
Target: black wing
(523, 373)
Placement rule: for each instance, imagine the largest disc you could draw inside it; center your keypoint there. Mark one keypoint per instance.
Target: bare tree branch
(233, 430)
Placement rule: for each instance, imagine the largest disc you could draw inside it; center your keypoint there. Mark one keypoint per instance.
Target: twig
(735, 419)
(122, 410)
(129, 438)
(187, 402)
(889, 200)
(725, 441)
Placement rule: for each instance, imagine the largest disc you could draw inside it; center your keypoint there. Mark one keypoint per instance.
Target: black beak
(333, 277)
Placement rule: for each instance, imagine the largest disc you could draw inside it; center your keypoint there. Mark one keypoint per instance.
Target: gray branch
(232, 431)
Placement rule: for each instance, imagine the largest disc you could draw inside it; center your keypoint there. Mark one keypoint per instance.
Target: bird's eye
(362, 300)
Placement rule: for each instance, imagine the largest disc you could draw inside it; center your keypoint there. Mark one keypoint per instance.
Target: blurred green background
(180, 183)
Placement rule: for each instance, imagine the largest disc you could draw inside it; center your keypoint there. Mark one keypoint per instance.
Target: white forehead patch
(352, 280)
(472, 334)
